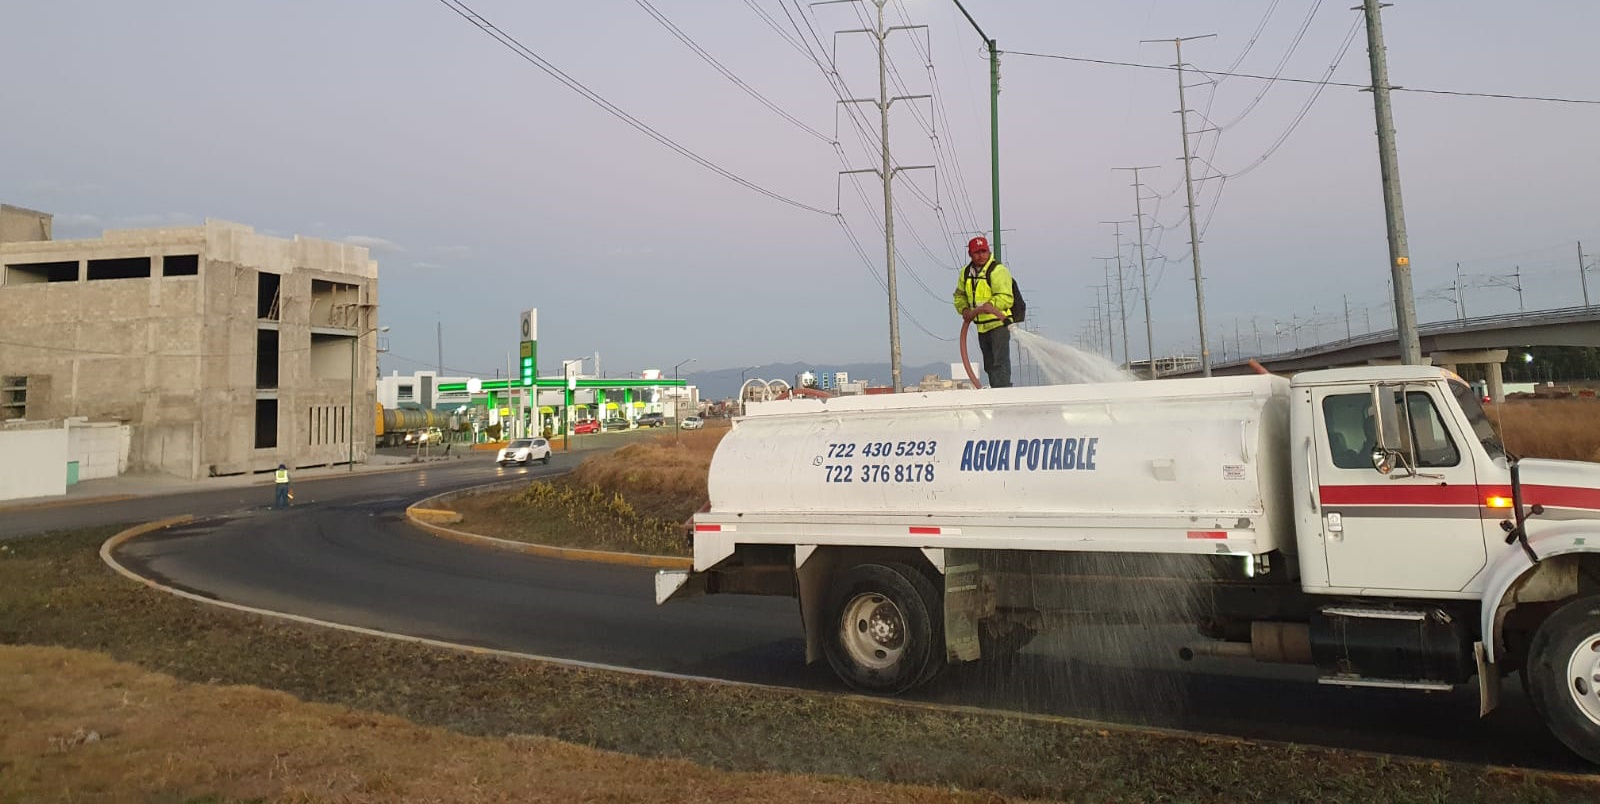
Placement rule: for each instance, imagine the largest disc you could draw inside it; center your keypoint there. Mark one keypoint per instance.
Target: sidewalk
(152, 484)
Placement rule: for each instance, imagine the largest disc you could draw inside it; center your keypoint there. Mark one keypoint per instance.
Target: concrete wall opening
(13, 397)
(266, 358)
(266, 423)
(120, 268)
(327, 424)
(331, 357)
(335, 304)
(267, 288)
(30, 273)
(180, 265)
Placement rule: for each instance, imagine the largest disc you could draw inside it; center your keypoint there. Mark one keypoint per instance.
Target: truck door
(1399, 531)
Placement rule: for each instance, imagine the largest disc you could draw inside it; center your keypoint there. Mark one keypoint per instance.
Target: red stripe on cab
(915, 531)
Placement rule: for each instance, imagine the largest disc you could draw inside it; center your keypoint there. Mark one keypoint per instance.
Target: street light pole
(677, 404)
(352, 428)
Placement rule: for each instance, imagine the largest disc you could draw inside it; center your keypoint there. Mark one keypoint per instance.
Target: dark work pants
(996, 346)
(282, 500)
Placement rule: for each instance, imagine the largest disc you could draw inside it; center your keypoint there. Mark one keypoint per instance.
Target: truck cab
(1393, 492)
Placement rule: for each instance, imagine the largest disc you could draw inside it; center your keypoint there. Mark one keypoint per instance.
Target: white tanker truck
(1366, 521)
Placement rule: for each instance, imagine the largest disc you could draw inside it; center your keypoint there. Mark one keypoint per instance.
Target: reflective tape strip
(1208, 534)
(699, 528)
(927, 531)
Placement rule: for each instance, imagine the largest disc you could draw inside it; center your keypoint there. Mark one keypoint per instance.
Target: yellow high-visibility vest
(282, 475)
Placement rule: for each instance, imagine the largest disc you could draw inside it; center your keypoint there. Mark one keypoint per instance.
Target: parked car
(417, 438)
(586, 426)
(525, 451)
(616, 423)
(651, 420)
(693, 423)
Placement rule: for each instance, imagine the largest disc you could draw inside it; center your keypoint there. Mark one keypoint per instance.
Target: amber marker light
(1498, 502)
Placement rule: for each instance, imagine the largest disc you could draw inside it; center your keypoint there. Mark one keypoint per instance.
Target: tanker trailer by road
(1366, 521)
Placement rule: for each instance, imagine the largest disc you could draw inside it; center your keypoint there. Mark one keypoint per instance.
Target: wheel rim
(874, 631)
(1583, 677)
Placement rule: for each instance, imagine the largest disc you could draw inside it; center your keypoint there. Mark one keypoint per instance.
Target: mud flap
(963, 607)
(678, 585)
(1488, 681)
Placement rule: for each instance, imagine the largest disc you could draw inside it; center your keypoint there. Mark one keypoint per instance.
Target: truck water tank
(1141, 463)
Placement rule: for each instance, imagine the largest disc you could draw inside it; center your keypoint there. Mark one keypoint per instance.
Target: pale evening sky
(485, 187)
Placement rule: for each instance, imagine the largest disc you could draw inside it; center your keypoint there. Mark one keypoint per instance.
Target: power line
(1310, 101)
(1277, 70)
(510, 42)
(726, 73)
(1456, 93)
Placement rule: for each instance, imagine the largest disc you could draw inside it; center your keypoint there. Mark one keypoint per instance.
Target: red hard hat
(977, 244)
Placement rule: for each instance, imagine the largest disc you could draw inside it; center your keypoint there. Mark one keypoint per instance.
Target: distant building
(222, 350)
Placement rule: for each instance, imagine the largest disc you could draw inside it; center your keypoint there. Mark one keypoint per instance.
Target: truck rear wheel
(883, 631)
(1563, 675)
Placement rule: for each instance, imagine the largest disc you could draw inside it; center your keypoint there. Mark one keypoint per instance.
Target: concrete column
(1497, 385)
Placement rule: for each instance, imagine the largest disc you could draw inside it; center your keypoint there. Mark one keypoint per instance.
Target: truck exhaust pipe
(1288, 643)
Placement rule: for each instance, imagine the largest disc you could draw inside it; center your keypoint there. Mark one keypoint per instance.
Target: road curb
(63, 503)
(425, 515)
(119, 538)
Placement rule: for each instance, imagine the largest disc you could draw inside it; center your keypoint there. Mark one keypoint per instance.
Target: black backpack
(1019, 307)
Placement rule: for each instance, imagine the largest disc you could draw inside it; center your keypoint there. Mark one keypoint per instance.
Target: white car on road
(525, 451)
(693, 423)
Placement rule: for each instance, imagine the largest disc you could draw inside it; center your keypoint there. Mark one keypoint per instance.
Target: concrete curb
(888, 703)
(6, 508)
(264, 479)
(123, 537)
(118, 539)
(425, 516)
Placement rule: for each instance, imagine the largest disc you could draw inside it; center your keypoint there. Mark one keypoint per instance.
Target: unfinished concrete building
(224, 351)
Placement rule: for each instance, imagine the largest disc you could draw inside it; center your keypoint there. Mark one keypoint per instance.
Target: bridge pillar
(1490, 359)
(1497, 385)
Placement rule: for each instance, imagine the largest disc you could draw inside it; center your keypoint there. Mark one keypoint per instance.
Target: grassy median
(368, 719)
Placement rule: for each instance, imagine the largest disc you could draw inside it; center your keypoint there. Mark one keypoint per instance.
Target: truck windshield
(1482, 429)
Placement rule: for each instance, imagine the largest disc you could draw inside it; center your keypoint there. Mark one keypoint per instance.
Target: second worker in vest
(984, 296)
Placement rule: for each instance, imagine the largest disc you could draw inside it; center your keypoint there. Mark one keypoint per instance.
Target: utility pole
(440, 333)
(1461, 301)
(1583, 274)
(994, 126)
(1347, 335)
(1188, 183)
(886, 172)
(1122, 305)
(1405, 307)
(1144, 274)
(1111, 346)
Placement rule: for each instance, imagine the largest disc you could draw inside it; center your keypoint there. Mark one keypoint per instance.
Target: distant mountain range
(724, 383)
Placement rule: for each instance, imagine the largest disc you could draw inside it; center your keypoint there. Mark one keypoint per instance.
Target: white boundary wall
(33, 463)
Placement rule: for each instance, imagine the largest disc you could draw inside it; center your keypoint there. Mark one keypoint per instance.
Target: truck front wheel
(1563, 675)
(882, 635)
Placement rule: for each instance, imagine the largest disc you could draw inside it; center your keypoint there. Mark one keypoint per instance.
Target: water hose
(965, 362)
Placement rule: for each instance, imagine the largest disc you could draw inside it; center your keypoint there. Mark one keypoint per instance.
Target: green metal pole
(994, 127)
(994, 141)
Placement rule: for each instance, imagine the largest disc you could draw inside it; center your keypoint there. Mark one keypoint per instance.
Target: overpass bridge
(1482, 341)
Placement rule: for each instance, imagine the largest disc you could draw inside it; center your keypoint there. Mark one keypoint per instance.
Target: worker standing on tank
(983, 292)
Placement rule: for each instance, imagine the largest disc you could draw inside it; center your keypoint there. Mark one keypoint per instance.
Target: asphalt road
(347, 556)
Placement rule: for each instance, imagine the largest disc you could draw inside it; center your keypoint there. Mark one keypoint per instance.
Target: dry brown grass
(1567, 429)
(79, 726)
(659, 466)
(55, 592)
(633, 500)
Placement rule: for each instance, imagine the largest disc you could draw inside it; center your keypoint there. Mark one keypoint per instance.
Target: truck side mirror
(1381, 462)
